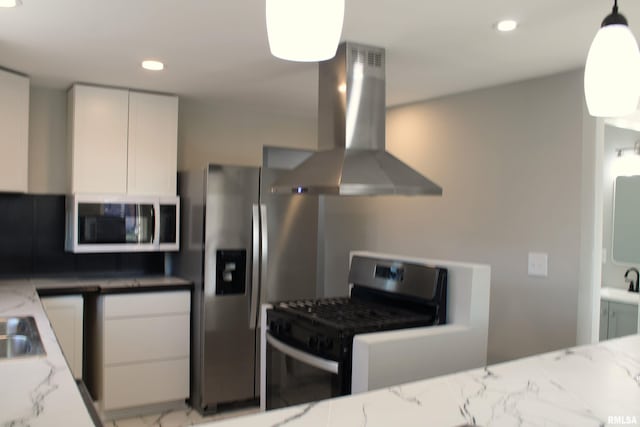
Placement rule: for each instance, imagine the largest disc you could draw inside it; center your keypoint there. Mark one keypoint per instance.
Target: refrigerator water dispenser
(230, 271)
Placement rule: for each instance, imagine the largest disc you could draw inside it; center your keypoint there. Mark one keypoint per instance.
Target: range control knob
(273, 326)
(312, 343)
(325, 343)
(279, 327)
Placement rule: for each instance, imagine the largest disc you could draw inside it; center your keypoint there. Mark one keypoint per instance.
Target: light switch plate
(538, 264)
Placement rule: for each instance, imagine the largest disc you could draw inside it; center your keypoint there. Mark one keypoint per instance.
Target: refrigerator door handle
(255, 265)
(264, 247)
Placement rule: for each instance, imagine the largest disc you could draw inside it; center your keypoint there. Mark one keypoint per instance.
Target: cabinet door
(14, 132)
(98, 132)
(65, 316)
(623, 319)
(153, 144)
(604, 319)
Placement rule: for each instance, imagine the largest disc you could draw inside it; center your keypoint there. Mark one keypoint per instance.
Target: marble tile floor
(179, 418)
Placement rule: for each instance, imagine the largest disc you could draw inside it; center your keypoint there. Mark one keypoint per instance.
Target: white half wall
(389, 358)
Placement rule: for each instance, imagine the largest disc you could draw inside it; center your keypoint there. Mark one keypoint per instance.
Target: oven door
(295, 376)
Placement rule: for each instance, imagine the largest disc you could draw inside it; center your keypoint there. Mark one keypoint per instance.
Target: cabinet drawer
(146, 304)
(146, 338)
(145, 383)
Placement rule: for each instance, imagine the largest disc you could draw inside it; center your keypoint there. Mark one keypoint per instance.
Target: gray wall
(614, 138)
(509, 161)
(210, 132)
(47, 141)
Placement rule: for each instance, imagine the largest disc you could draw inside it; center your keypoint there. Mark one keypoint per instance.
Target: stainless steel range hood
(351, 131)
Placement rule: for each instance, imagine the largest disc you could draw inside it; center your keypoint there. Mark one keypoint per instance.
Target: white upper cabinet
(14, 132)
(123, 142)
(152, 150)
(99, 122)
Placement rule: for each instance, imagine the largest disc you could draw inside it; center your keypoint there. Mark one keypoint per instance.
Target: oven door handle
(315, 361)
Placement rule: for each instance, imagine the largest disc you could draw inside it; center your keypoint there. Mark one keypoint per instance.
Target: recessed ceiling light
(506, 25)
(10, 3)
(152, 65)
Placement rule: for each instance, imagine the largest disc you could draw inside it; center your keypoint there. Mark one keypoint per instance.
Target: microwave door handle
(155, 236)
(301, 356)
(255, 265)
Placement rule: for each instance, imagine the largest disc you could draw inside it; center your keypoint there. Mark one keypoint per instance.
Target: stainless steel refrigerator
(241, 245)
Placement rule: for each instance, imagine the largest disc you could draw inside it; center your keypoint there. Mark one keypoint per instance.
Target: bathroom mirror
(626, 220)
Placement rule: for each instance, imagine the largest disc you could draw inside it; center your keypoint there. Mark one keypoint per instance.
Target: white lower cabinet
(617, 319)
(65, 314)
(143, 350)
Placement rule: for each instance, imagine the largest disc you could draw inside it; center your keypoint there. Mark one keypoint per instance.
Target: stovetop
(384, 295)
(353, 314)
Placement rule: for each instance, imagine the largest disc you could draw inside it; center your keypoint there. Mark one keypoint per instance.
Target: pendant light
(304, 30)
(612, 71)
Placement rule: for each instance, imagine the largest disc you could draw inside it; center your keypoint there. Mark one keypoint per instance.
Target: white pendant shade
(10, 3)
(304, 30)
(612, 73)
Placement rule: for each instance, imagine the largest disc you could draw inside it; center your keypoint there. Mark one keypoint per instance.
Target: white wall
(216, 132)
(509, 161)
(614, 138)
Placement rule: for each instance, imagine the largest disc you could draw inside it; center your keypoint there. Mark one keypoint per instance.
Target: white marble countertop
(593, 385)
(619, 295)
(40, 390)
(37, 390)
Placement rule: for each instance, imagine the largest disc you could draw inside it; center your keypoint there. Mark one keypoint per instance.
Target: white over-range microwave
(103, 223)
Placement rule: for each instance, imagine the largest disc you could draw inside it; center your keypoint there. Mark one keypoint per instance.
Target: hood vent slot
(372, 59)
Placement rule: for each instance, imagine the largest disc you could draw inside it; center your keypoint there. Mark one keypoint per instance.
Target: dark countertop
(72, 285)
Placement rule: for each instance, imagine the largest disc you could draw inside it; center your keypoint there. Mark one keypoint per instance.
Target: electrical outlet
(538, 264)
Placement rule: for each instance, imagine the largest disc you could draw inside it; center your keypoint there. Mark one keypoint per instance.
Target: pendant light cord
(615, 6)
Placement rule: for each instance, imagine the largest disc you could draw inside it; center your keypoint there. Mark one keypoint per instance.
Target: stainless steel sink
(19, 337)
(15, 325)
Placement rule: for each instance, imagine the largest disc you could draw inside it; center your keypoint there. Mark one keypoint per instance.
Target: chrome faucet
(633, 287)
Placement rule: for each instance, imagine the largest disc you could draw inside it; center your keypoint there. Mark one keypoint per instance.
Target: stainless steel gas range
(309, 341)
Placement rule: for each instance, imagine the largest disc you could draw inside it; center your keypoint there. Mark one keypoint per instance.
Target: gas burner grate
(352, 313)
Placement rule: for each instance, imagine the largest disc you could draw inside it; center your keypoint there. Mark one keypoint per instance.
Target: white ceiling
(218, 50)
